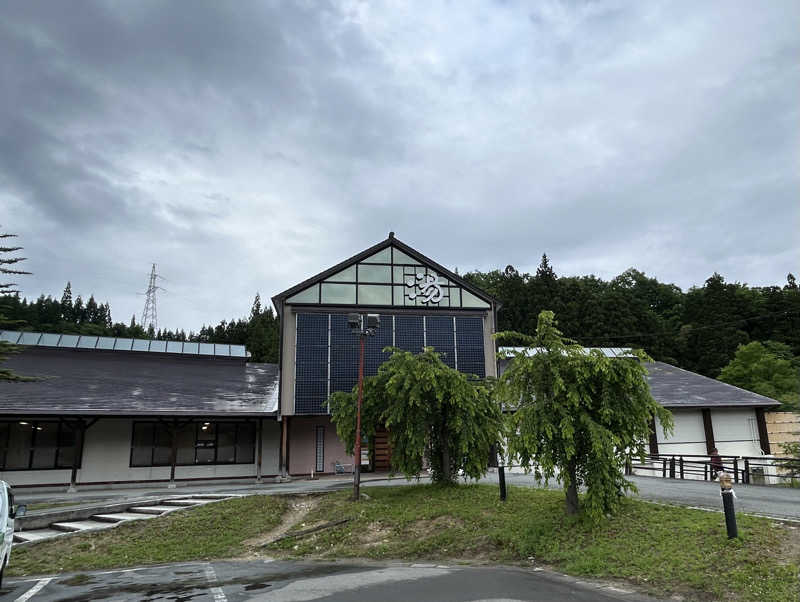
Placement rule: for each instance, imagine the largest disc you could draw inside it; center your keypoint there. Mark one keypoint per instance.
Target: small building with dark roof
(101, 410)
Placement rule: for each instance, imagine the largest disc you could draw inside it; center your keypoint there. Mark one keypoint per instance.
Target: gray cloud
(244, 147)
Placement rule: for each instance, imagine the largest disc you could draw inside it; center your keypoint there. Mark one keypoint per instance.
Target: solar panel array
(327, 350)
(75, 341)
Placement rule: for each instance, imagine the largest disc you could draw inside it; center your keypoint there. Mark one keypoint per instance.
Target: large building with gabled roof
(420, 303)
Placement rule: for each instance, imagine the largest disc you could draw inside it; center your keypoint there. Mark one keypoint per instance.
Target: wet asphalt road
(294, 582)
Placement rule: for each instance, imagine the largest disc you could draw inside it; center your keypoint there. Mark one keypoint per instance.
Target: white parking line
(211, 577)
(34, 590)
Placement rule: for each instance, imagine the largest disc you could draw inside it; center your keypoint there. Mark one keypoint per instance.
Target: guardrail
(760, 470)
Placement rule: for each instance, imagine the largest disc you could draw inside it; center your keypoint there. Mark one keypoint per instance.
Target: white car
(8, 512)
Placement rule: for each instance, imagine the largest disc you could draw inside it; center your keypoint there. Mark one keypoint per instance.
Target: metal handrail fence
(681, 466)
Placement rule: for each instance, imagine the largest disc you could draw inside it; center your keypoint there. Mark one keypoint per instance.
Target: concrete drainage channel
(60, 523)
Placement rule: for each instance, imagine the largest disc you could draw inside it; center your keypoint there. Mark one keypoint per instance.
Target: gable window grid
(50, 445)
(151, 444)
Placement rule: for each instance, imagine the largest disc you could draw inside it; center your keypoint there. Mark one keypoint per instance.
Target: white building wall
(688, 436)
(736, 432)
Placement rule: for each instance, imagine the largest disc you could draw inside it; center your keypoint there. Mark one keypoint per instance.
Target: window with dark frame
(198, 443)
(36, 445)
(320, 463)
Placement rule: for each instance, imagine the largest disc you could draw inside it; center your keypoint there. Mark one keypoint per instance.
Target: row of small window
(36, 445)
(196, 443)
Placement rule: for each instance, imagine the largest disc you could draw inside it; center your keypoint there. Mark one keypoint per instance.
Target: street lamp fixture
(363, 326)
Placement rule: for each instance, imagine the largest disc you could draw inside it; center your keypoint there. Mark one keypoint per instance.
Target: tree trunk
(572, 489)
(445, 455)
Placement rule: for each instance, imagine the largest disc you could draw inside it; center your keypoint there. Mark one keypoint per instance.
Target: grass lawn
(214, 530)
(663, 549)
(48, 505)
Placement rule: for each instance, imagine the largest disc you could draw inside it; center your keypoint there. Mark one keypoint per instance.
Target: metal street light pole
(357, 469)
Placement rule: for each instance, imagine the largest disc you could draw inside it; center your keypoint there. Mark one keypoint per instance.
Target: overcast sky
(245, 146)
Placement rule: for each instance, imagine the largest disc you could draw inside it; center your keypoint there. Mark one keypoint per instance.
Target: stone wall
(783, 427)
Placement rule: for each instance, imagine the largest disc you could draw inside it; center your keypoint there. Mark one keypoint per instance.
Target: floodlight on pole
(363, 326)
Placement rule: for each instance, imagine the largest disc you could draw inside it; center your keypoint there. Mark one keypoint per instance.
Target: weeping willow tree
(430, 411)
(579, 416)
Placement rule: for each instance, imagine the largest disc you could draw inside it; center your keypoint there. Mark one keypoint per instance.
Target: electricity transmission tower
(150, 313)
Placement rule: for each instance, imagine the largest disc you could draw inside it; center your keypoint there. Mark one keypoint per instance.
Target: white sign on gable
(426, 287)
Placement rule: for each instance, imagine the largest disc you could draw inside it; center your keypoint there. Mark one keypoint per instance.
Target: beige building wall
(303, 446)
(782, 427)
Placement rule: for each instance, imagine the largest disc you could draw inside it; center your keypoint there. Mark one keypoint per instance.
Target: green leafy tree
(580, 416)
(430, 411)
(766, 368)
(790, 462)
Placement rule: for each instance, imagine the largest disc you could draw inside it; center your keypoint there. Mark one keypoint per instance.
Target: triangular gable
(389, 274)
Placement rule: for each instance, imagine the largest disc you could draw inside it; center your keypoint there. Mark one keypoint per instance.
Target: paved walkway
(780, 502)
(281, 581)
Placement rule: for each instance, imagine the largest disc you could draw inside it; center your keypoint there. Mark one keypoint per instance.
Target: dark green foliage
(768, 369)
(430, 410)
(579, 417)
(699, 330)
(791, 462)
(8, 268)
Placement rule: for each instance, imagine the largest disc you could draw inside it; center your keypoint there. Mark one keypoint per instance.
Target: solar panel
(87, 342)
(30, 338)
(469, 340)
(50, 339)
(9, 336)
(439, 335)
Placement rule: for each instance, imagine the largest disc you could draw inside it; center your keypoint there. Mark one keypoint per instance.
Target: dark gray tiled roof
(674, 387)
(119, 383)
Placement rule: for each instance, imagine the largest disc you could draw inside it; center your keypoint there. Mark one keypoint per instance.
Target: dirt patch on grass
(299, 507)
(375, 534)
(429, 526)
(790, 552)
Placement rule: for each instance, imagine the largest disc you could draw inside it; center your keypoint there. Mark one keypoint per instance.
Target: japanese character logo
(427, 287)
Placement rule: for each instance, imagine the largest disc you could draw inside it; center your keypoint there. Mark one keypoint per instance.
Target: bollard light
(726, 491)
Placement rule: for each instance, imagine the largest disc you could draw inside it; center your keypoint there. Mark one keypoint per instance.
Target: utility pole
(363, 326)
(150, 313)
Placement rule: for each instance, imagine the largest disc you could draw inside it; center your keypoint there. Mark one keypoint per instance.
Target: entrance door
(383, 453)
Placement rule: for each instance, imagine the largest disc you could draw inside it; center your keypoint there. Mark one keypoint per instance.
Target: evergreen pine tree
(66, 304)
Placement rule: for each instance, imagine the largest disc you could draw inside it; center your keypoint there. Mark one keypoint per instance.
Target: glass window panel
(162, 449)
(142, 443)
(66, 446)
(226, 443)
(45, 443)
(380, 257)
(30, 338)
(191, 347)
(375, 273)
(346, 275)
(9, 336)
(19, 445)
(338, 293)
(238, 351)
(4, 427)
(399, 295)
(174, 346)
(185, 444)
(206, 443)
(222, 349)
(455, 297)
(246, 443)
(206, 349)
(68, 340)
(470, 300)
(105, 343)
(400, 257)
(123, 344)
(398, 274)
(140, 345)
(374, 294)
(49, 340)
(87, 342)
(309, 295)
